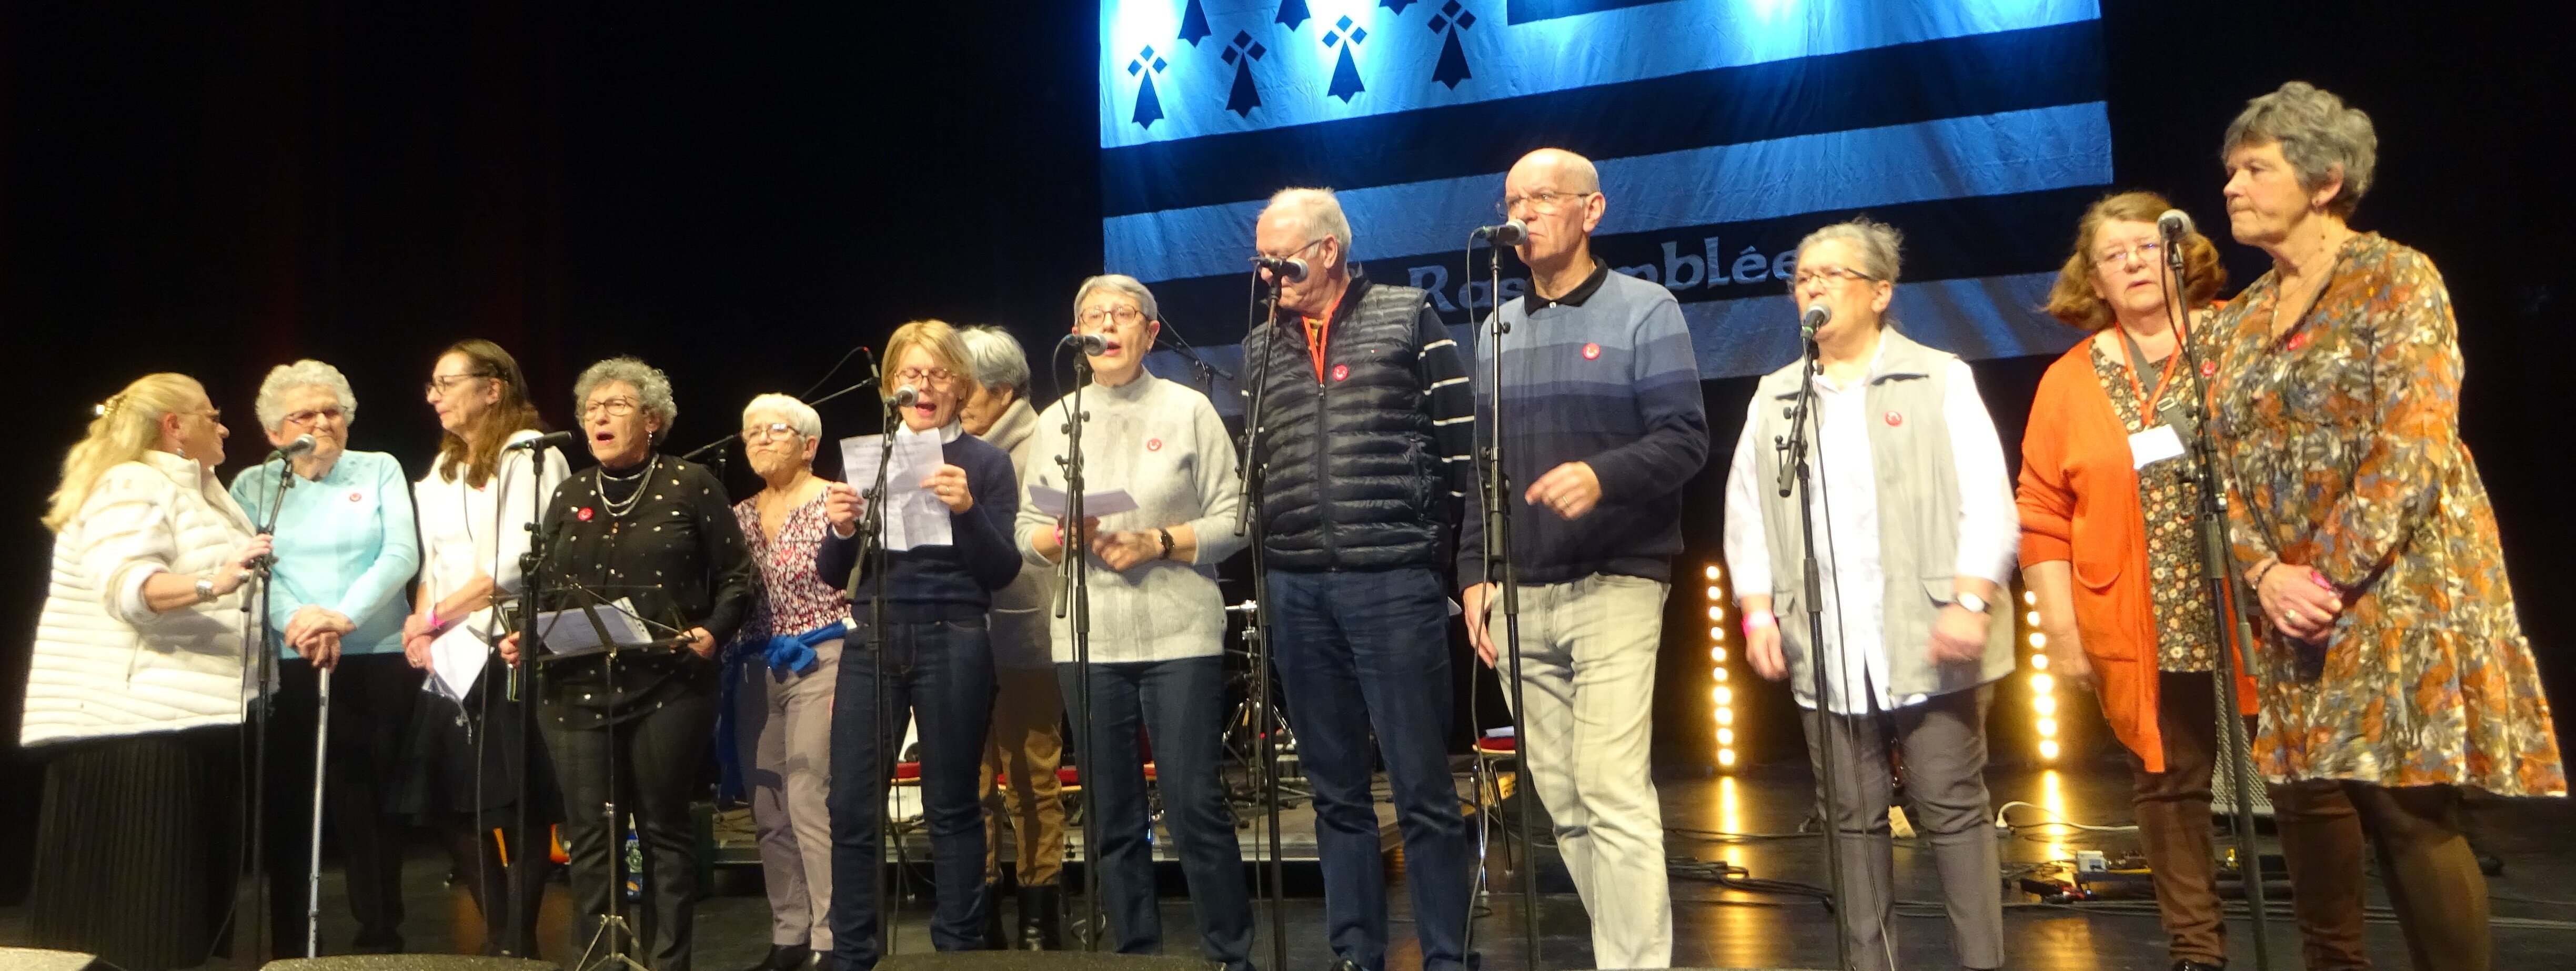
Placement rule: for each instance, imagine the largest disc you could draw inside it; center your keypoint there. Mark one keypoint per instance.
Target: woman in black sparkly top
(659, 533)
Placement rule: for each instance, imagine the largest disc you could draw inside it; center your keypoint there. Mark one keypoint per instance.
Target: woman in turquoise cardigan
(347, 549)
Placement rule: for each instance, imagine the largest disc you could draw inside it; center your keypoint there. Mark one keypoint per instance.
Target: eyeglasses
(1541, 203)
(936, 376)
(309, 418)
(620, 407)
(440, 384)
(1258, 256)
(1124, 315)
(770, 432)
(1834, 275)
(2143, 253)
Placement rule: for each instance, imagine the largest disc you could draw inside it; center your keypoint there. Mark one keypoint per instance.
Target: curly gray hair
(652, 389)
(995, 357)
(2318, 134)
(1880, 245)
(306, 373)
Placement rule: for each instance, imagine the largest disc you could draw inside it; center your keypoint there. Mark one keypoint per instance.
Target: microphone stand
(1795, 475)
(525, 899)
(1254, 476)
(872, 558)
(264, 703)
(1502, 569)
(1073, 595)
(2211, 520)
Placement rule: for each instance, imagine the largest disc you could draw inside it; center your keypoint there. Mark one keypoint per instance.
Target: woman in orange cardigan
(2110, 549)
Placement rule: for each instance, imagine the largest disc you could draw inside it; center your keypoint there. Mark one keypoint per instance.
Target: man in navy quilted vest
(1367, 421)
(1602, 424)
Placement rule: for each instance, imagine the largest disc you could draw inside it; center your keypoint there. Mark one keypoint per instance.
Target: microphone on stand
(906, 396)
(1289, 269)
(1087, 343)
(1813, 320)
(2173, 225)
(562, 439)
(295, 449)
(1510, 232)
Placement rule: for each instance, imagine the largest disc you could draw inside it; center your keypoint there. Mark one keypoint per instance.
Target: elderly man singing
(1369, 419)
(1600, 392)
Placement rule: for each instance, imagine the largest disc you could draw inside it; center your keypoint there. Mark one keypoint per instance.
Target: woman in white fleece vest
(135, 695)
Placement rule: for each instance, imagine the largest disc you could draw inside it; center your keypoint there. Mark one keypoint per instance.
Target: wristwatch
(1973, 602)
(205, 590)
(1167, 542)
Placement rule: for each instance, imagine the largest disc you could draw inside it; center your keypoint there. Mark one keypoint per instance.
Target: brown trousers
(1026, 745)
(2432, 877)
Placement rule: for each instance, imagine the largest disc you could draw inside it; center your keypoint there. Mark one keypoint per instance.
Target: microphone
(1509, 233)
(906, 396)
(1088, 343)
(296, 448)
(561, 439)
(1291, 269)
(1814, 320)
(2173, 225)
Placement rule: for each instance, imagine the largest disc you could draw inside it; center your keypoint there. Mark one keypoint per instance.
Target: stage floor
(1716, 927)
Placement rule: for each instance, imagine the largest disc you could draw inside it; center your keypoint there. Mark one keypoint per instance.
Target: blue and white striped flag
(1724, 130)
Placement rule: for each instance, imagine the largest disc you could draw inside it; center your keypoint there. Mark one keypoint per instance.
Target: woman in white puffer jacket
(134, 700)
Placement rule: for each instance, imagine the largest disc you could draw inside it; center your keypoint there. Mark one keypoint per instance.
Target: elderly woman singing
(134, 698)
(346, 546)
(782, 672)
(1157, 660)
(2394, 671)
(654, 531)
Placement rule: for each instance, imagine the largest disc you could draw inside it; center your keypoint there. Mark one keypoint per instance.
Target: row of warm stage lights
(2043, 687)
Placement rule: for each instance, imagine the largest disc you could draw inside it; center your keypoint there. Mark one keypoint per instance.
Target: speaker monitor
(408, 962)
(35, 959)
(1038, 961)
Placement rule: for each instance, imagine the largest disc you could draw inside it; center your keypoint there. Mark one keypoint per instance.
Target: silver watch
(1973, 602)
(205, 590)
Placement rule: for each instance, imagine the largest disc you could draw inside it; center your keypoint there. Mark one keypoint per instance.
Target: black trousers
(371, 710)
(659, 759)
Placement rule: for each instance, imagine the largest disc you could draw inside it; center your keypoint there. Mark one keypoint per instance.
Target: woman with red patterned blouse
(781, 673)
(2394, 671)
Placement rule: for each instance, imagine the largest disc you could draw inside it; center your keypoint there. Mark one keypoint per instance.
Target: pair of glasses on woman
(311, 417)
(1831, 275)
(2144, 253)
(772, 432)
(939, 376)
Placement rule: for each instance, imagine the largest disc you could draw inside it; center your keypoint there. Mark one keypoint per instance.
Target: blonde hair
(944, 346)
(2072, 300)
(128, 425)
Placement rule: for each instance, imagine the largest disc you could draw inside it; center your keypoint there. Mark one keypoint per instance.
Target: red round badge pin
(583, 513)
(1895, 419)
(1341, 372)
(1591, 352)
(2208, 369)
(1153, 445)
(354, 497)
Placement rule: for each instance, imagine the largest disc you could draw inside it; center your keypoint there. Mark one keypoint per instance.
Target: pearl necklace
(615, 511)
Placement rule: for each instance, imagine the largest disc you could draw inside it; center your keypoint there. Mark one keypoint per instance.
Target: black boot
(1041, 924)
(993, 941)
(784, 957)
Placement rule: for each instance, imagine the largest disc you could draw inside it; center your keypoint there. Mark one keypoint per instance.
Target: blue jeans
(1363, 650)
(940, 672)
(1182, 703)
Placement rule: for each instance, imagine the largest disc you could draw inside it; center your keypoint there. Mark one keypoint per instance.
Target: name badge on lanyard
(2158, 443)
(2154, 445)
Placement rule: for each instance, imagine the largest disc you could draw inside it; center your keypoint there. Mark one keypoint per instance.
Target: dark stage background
(740, 194)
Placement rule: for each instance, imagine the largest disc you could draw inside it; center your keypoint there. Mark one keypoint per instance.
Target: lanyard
(1318, 336)
(2138, 365)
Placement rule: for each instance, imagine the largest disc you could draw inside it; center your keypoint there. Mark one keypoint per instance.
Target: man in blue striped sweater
(1600, 408)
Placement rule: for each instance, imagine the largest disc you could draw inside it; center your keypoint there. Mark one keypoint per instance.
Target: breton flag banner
(1724, 130)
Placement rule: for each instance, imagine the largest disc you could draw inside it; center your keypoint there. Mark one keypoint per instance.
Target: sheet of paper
(915, 516)
(456, 661)
(2154, 445)
(567, 631)
(1110, 503)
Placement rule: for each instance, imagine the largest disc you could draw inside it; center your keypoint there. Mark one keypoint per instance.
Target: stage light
(2031, 617)
(1725, 695)
(2030, 597)
(2042, 683)
(2038, 639)
(1720, 673)
(2044, 705)
(1726, 736)
(1726, 756)
(1716, 612)
(1712, 571)
(1726, 716)
(2048, 748)
(1716, 654)
(1714, 593)
(2047, 728)
(2038, 662)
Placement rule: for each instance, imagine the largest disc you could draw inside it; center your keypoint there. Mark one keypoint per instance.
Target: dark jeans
(1363, 650)
(1182, 703)
(371, 698)
(941, 673)
(659, 758)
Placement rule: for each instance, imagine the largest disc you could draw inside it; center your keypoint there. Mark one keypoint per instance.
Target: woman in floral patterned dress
(2395, 672)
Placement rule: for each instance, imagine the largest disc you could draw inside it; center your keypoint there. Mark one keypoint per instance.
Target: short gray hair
(2317, 134)
(1318, 211)
(1124, 285)
(306, 373)
(652, 388)
(995, 357)
(800, 416)
(1881, 246)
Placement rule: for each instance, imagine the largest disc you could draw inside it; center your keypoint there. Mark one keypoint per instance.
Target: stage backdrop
(1724, 131)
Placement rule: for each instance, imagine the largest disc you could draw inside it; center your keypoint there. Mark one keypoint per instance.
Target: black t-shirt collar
(1533, 303)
